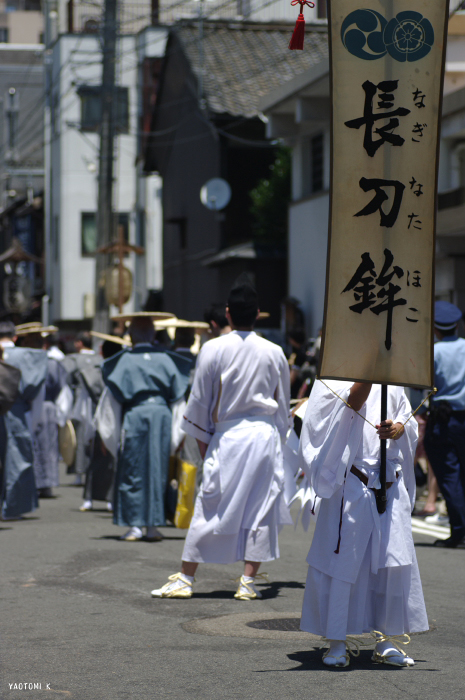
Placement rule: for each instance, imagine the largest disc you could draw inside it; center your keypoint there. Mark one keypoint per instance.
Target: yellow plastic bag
(186, 494)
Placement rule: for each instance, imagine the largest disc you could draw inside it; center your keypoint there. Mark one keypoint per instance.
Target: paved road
(76, 614)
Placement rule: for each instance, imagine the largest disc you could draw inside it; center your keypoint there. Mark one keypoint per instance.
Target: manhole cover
(283, 624)
(254, 625)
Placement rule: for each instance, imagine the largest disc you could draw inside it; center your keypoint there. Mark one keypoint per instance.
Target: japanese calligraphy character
(388, 293)
(387, 219)
(419, 99)
(419, 191)
(362, 285)
(412, 320)
(369, 119)
(364, 282)
(418, 129)
(414, 221)
(416, 279)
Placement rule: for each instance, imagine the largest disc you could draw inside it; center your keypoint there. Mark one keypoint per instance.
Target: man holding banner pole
(387, 70)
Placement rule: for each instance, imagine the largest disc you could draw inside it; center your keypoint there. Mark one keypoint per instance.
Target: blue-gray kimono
(46, 451)
(19, 494)
(145, 381)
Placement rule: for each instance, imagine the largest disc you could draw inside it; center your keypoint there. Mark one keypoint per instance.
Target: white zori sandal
(178, 586)
(339, 652)
(388, 650)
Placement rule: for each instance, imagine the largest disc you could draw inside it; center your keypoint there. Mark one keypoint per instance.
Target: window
(89, 231)
(3, 35)
(317, 156)
(322, 12)
(91, 108)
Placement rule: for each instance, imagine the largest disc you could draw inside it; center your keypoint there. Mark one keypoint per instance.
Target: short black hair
(449, 332)
(298, 335)
(85, 338)
(243, 318)
(184, 337)
(216, 313)
(7, 329)
(110, 348)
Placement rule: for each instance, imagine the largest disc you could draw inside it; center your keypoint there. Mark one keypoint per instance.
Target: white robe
(372, 582)
(239, 406)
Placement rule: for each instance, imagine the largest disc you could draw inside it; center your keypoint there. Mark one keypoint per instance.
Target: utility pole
(49, 7)
(105, 216)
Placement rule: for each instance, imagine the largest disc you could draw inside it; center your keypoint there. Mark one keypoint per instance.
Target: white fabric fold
(107, 421)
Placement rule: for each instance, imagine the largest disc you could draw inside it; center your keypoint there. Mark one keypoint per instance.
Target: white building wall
(75, 165)
(308, 240)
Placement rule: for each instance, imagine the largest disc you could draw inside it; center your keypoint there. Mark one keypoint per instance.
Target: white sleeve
(331, 433)
(64, 404)
(177, 433)
(283, 397)
(107, 420)
(408, 445)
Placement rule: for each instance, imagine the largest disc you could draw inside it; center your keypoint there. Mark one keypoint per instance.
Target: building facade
(73, 153)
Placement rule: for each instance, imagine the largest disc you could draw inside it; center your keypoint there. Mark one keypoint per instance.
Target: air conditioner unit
(89, 305)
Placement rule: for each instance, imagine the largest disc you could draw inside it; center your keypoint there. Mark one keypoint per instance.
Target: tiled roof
(244, 61)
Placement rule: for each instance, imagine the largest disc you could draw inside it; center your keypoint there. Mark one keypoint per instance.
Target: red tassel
(297, 39)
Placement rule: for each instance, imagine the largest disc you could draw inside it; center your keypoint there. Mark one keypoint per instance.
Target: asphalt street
(77, 620)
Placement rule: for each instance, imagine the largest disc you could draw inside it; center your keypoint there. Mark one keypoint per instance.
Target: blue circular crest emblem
(409, 36)
(362, 34)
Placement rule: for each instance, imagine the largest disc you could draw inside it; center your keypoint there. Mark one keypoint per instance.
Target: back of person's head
(50, 341)
(184, 337)
(217, 314)
(141, 330)
(7, 329)
(85, 338)
(243, 302)
(298, 335)
(110, 348)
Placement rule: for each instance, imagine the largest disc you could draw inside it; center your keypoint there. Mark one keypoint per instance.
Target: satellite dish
(215, 194)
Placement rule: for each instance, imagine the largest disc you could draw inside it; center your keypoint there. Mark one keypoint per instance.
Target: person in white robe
(363, 574)
(238, 411)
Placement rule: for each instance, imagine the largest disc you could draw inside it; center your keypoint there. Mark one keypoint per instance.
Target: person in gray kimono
(18, 487)
(85, 359)
(145, 382)
(100, 475)
(55, 409)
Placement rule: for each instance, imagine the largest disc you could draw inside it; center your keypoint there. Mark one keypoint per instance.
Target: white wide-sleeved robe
(371, 581)
(239, 406)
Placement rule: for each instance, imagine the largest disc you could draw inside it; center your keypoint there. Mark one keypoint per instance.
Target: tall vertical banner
(387, 69)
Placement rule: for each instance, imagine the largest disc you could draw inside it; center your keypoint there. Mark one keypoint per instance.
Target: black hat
(243, 298)
(446, 315)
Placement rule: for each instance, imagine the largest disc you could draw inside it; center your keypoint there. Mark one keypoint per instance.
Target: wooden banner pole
(383, 445)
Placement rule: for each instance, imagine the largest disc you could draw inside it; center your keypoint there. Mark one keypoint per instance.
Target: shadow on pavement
(268, 592)
(311, 660)
(273, 589)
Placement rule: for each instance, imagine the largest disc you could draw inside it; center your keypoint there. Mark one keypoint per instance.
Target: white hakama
(242, 381)
(363, 574)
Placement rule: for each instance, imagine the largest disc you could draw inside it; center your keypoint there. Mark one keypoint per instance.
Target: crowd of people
(127, 411)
